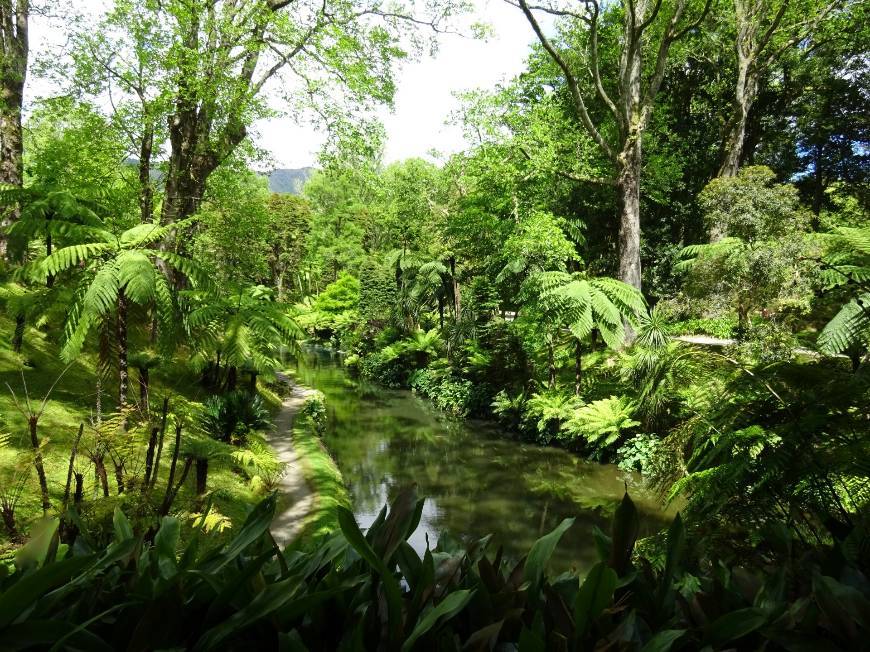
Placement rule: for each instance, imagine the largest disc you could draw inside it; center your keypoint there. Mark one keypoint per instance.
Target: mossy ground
(325, 480)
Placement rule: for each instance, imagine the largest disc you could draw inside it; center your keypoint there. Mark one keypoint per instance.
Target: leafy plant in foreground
(375, 591)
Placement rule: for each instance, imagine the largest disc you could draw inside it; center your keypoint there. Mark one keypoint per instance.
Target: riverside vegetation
(661, 170)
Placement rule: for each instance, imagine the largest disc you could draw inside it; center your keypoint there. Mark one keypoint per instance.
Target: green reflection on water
(476, 482)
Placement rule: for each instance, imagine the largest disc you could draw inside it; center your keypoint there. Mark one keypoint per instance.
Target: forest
(650, 261)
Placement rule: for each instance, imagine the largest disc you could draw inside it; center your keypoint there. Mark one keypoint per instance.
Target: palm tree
(117, 271)
(245, 330)
(584, 304)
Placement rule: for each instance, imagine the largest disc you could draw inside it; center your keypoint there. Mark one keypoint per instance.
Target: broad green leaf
(123, 529)
(351, 531)
(735, 625)
(595, 594)
(663, 640)
(540, 554)
(443, 611)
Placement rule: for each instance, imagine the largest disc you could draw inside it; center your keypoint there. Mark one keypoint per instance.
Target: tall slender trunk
(18, 336)
(201, 475)
(144, 380)
(102, 475)
(123, 373)
(168, 497)
(551, 363)
(160, 439)
(14, 52)
(578, 368)
(79, 494)
(149, 458)
(72, 459)
(146, 192)
(37, 462)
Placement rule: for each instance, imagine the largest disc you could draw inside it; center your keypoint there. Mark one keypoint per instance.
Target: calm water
(475, 481)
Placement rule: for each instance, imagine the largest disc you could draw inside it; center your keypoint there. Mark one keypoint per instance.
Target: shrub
(643, 453)
(231, 416)
(601, 423)
(314, 409)
(447, 392)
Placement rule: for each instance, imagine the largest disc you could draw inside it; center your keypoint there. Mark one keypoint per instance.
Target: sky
(424, 98)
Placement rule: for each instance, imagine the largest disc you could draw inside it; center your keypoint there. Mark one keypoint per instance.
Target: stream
(476, 480)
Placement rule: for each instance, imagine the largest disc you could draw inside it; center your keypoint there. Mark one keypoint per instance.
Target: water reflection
(476, 481)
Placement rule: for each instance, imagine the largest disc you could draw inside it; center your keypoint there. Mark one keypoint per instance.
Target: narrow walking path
(296, 500)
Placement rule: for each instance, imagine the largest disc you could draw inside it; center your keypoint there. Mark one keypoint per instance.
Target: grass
(36, 371)
(324, 478)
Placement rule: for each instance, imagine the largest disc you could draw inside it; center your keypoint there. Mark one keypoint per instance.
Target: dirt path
(296, 498)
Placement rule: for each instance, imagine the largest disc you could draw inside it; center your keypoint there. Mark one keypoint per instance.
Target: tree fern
(601, 423)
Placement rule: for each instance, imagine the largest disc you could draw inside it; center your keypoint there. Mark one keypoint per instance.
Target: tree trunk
(144, 380)
(746, 91)
(628, 186)
(123, 375)
(8, 512)
(168, 496)
(578, 368)
(72, 459)
(102, 475)
(231, 378)
(14, 51)
(18, 336)
(551, 363)
(160, 443)
(146, 192)
(201, 475)
(119, 476)
(37, 462)
(252, 387)
(149, 458)
(79, 494)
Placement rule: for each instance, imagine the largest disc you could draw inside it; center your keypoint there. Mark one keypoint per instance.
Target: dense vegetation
(654, 251)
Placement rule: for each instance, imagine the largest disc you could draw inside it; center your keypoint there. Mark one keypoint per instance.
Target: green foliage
(548, 412)
(448, 393)
(349, 590)
(232, 416)
(848, 265)
(243, 329)
(314, 409)
(601, 423)
(762, 260)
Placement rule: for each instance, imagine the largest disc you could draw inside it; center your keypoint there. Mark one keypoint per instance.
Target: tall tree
(764, 31)
(14, 51)
(645, 30)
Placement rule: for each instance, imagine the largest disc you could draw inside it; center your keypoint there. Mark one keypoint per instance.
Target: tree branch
(571, 81)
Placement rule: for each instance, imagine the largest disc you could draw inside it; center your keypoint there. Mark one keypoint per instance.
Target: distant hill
(289, 181)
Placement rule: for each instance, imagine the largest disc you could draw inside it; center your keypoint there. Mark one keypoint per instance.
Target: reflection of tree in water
(476, 483)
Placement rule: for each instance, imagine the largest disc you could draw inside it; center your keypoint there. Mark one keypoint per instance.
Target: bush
(384, 369)
(314, 409)
(642, 453)
(231, 416)
(448, 393)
